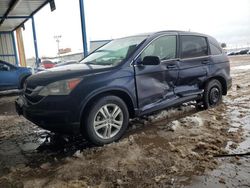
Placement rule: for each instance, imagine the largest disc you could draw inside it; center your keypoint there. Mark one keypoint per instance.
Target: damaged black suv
(127, 78)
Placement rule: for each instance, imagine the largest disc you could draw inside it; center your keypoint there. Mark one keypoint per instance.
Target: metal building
(13, 15)
(94, 44)
(8, 48)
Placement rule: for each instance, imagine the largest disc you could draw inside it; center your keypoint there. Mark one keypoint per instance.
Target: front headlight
(63, 87)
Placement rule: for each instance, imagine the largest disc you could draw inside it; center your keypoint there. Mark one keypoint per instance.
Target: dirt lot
(175, 148)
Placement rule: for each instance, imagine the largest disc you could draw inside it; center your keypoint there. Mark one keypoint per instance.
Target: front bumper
(53, 120)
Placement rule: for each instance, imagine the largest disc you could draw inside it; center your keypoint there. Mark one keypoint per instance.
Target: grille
(28, 91)
(33, 99)
(31, 95)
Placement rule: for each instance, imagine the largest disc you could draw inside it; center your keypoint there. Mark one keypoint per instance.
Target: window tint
(163, 47)
(215, 50)
(193, 46)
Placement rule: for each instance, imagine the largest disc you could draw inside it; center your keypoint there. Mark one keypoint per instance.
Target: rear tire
(106, 121)
(212, 94)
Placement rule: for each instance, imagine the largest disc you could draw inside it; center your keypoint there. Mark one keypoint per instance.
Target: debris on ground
(173, 148)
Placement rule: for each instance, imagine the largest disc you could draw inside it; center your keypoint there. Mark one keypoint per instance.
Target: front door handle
(171, 66)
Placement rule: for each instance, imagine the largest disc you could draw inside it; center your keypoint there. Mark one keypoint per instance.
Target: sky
(226, 20)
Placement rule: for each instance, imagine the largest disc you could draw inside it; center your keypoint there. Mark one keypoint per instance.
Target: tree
(223, 45)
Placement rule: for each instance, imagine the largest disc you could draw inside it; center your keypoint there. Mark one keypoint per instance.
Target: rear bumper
(52, 120)
(229, 83)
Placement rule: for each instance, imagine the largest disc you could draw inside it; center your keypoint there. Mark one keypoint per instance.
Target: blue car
(12, 77)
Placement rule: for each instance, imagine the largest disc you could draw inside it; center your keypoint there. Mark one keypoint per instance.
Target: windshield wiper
(104, 51)
(90, 63)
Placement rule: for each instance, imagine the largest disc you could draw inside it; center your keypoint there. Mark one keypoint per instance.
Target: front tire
(106, 120)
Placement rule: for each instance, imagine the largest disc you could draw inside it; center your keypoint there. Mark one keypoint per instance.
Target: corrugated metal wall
(7, 50)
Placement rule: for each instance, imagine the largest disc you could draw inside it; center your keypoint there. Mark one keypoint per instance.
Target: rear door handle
(205, 62)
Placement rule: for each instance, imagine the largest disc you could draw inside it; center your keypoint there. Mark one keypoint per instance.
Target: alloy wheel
(108, 121)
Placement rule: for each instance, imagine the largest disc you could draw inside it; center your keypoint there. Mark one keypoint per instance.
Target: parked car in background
(12, 77)
(127, 78)
(237, 52)
(47, 64)
(66, 63)
(231, 53)
(242, 52)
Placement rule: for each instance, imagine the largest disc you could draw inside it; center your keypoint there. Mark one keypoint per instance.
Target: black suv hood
(64, 72)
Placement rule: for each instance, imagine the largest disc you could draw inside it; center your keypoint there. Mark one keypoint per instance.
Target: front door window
(163, 47)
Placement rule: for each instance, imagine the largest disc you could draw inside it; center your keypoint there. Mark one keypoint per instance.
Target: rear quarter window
(215, 50)
(193, 46)
(215, 47)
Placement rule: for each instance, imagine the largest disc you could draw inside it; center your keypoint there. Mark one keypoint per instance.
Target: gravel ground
(179, 147)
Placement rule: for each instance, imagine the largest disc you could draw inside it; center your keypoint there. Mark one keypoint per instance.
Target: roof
(159, 33)
(179, 32)
(14, 13)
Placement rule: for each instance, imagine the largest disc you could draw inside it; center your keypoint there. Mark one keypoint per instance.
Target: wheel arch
(22, 79)
(222, 80)
(121, 93)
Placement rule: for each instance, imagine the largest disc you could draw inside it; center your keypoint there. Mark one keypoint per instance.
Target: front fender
(99, 91)
(23, 77)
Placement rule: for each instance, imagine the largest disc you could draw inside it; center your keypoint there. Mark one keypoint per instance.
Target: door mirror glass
(151, 60)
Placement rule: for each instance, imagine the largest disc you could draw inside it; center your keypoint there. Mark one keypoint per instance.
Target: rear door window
(193, 46)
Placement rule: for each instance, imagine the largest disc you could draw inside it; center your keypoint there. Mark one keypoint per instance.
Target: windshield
(114, 52)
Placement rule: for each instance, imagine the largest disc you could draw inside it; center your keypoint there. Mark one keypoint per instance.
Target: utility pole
(83, 24)
(35, 41)
(57, 38)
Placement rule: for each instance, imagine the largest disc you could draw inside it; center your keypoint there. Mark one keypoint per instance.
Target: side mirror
(151, 60)
(4, 68)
